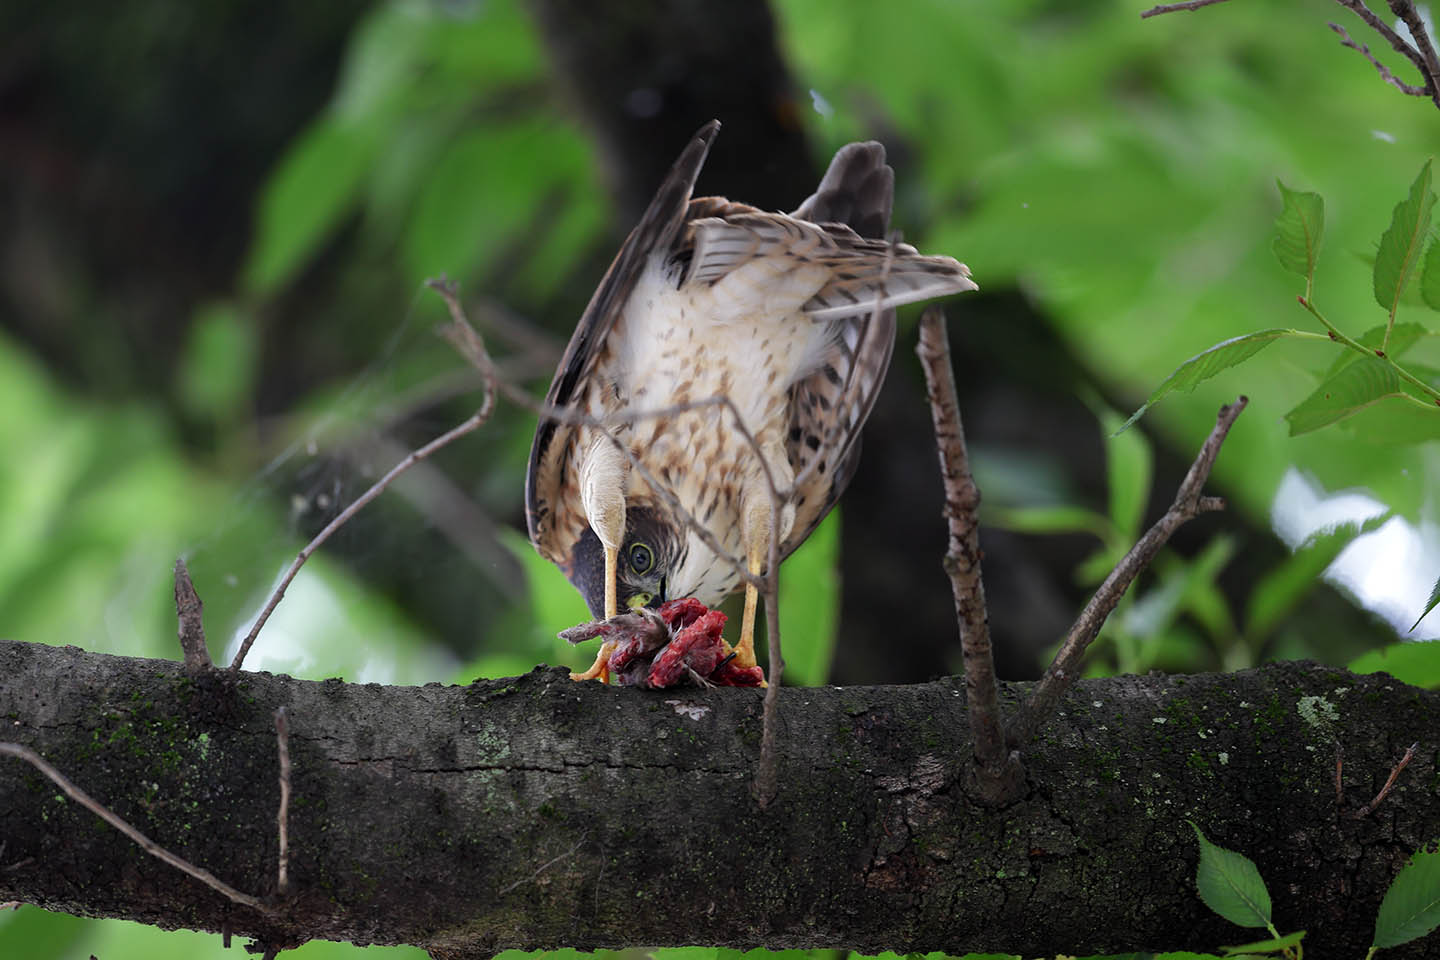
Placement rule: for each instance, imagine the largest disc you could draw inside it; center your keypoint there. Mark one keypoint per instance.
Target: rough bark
(535, 812)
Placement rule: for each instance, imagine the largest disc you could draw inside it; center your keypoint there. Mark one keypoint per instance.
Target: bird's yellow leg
(745, 649)
(601, 667)
(612, 606)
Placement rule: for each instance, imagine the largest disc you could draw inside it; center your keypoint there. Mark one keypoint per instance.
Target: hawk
(790, 317)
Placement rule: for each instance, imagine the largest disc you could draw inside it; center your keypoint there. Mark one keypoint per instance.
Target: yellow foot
(600, 669)
(745, 649)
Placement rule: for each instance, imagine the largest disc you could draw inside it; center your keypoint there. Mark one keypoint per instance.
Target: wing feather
(657, 230)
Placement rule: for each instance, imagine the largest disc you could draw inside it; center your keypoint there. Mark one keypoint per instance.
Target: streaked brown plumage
(789, 315)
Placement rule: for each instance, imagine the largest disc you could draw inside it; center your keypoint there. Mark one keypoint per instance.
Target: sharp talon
(600, 669)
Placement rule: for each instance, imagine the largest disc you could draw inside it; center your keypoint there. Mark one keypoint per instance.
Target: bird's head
(649, 555)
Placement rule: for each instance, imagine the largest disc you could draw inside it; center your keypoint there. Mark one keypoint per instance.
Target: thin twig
(282, 746)
(1397, 43)
(140, 840)
(482, 361)
(1175, 7)
(547, 865)
(1385, 73)
(1369, 808)
(1189, 503)
(188, 609)
(767, 773)
(962, 559)
(1339, 766)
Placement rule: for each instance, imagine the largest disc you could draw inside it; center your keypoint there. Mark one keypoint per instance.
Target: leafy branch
(1368, 371)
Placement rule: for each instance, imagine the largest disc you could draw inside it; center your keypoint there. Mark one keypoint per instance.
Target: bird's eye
(641, 558)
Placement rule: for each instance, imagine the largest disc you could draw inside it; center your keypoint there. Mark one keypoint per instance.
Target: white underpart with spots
(744, 337)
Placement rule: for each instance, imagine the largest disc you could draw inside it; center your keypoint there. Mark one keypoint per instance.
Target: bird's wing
(842, 226)
(656, 231)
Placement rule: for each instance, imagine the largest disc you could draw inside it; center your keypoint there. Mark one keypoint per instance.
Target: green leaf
(1230, 884)
(1402, 243)
(810, 605)
(1273, 945)
(1298, 230)
(1430, 277)
(1411, 907)
(1208, 363)
(1395, 422)
(553, 604)
(315, 187)
(1429, 604)
(1355, 387)
(497, 189)
(1282, 588)
(1048, 520)
(1416, 662)
(218, 364)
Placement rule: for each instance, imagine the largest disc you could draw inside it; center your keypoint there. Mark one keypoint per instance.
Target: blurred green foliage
(1120, 173)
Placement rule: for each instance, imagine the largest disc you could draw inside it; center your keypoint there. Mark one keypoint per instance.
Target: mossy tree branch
(536, 812)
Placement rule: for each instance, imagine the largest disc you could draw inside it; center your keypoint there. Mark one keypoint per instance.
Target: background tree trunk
(535, 812)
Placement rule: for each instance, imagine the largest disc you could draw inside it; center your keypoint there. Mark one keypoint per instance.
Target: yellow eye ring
(641, 558)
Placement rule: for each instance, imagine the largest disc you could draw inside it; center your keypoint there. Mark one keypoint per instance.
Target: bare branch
(1176, 7)
(188, 609)
(1385, 73)
(140, 840)
(282, 745)
(1420, 35)
(1066, 666)
(996, 768)
(1369, 808)
(1397, 43)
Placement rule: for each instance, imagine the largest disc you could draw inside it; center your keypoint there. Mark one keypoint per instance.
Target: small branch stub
(997, 772)
(188, 609)
(1390, 782)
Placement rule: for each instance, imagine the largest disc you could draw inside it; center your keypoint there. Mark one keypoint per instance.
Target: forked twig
(140, 840)
(1385, 74)
(962, 559)
(1189, 503)
(1390, 781)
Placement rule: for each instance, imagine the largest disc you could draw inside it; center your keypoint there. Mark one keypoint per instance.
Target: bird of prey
(791, 317)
